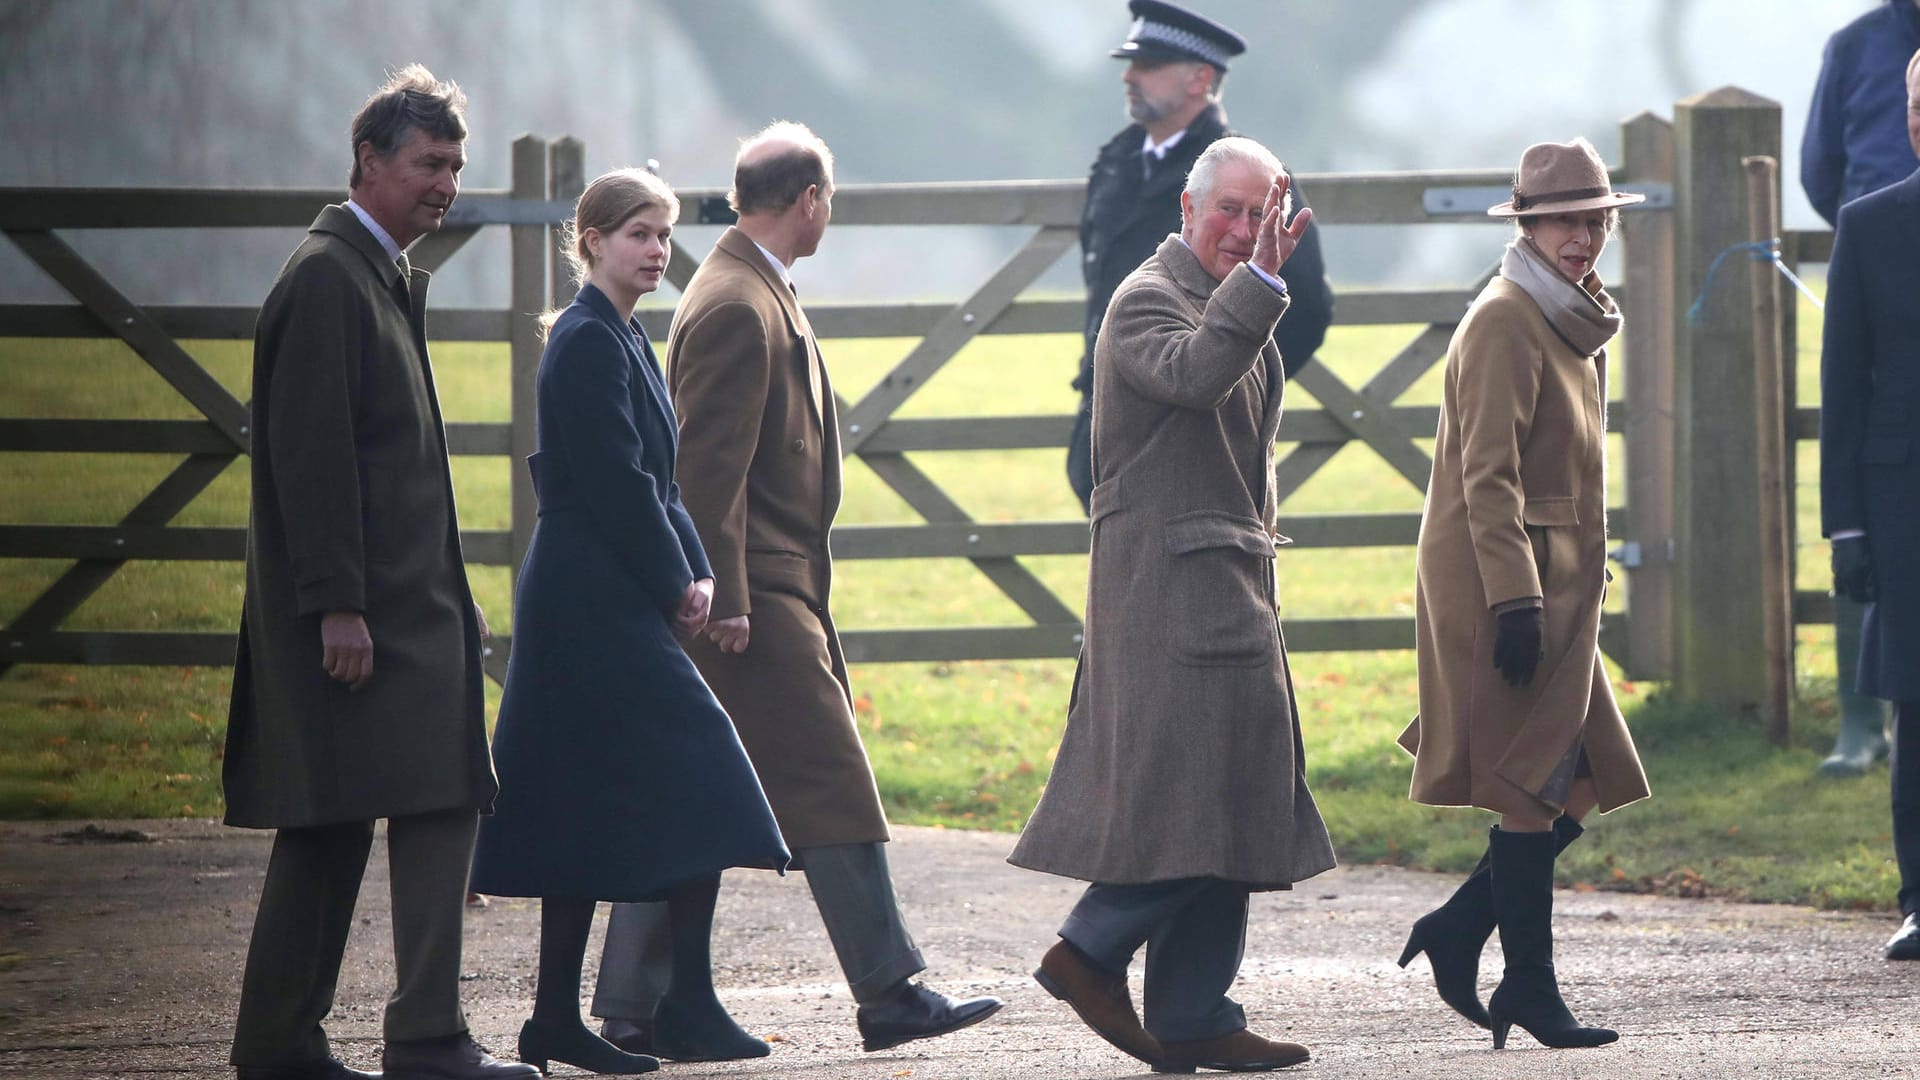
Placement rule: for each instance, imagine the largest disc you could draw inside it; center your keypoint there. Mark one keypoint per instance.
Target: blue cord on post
(1758, 251)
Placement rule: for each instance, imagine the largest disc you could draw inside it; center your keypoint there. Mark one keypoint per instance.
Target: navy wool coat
(620, 774)
(1870, 421)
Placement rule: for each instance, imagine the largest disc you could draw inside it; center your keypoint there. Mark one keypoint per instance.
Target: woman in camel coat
(1516, 711)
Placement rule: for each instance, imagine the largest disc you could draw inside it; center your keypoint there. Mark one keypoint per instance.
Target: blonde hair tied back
(606, 204)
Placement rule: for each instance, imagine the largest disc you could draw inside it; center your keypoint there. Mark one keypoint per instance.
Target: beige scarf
(1585, 320)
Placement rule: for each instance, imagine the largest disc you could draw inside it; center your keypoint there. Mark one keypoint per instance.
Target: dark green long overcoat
(352, 510)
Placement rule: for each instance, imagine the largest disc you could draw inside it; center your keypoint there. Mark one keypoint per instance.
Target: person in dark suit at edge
(1870, 475)
(1856, 143)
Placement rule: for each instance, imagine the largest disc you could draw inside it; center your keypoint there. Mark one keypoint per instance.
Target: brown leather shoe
(1099, 998)
(1236, 1051)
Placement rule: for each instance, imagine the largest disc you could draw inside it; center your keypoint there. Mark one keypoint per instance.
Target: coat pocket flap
(1885, 451)
(1204, 529)
(1558, 510)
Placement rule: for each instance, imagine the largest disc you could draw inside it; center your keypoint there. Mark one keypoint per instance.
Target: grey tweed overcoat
(1182, 754)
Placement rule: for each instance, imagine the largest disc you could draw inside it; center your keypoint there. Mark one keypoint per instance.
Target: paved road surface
(122, 959)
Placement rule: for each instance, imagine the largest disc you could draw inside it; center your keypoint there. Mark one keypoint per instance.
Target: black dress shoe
(918, 1013)
(330, 1069)
(1905, 944)
(633, 1036)
(696, 1027)
(454, 1057)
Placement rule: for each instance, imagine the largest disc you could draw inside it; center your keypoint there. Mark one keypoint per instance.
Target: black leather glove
(1516, 647)
(1853, 569)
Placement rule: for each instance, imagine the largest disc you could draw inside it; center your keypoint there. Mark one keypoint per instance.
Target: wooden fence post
(1719, 654)
(1770, 430)
(1647, 157)
(566, 179)
(527, 299)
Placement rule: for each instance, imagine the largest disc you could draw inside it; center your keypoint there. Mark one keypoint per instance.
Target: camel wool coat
(759, 472)
(1182, 755)
(1516, 509)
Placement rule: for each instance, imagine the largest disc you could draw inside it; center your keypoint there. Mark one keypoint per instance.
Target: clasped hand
(691, 620)
(696, 602)
(1274, 244)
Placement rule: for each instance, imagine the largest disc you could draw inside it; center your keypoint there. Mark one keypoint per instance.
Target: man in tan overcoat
(759, 471)
(357, 686)
(1180, 786)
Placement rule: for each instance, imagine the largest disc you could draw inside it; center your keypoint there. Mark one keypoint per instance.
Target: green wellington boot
(1863, 720)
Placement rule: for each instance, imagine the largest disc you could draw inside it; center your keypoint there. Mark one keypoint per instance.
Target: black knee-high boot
(1529, 994)
(554, 1032)
(689, 1023)
(1454, 934)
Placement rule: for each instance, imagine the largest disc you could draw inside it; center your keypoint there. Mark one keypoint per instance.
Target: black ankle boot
(1454, 934)
(699, 1029)
(1529, 994)
(542, 1042)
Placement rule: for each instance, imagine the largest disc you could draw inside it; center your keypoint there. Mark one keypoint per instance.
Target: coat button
(799, 446)
(1092, 256)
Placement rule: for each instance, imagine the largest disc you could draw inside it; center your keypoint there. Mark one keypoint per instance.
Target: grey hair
(1233, 148)
(412, 100)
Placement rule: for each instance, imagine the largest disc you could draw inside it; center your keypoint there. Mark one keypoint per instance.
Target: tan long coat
(1182, 754)
(1516, 508)
(759, 471)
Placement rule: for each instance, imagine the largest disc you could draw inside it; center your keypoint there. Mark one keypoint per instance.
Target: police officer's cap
(1163, 31)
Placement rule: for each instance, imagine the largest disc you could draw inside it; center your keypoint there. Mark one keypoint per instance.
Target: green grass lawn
(961, 744)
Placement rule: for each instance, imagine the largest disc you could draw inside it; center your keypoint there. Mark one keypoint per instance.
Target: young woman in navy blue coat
(621, 778)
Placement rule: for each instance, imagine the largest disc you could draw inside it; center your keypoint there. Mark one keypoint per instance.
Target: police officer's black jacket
(1127, 216)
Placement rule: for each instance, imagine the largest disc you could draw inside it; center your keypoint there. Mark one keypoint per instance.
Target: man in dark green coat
(357, 688)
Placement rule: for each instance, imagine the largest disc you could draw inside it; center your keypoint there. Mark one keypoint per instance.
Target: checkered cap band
(1158, 33)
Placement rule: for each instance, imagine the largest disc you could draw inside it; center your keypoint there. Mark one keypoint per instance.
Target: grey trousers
(300, 934)
(1195, 931)
(853, 890)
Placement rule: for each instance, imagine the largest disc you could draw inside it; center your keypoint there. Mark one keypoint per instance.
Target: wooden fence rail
(545, 179)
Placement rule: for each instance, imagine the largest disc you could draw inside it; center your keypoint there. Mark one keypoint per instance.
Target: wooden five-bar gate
(546, 177)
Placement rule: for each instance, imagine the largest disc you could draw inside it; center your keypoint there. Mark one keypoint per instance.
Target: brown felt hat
(1558, 178)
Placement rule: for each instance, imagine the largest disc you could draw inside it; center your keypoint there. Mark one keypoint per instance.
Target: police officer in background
(1176, 61)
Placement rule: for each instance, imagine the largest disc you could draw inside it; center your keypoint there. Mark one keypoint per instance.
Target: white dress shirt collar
(386, 240)
(1159, 151)
(778, 266)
